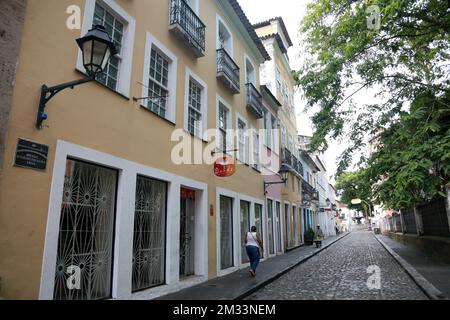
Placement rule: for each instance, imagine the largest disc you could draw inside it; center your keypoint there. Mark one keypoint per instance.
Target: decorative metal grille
(226, 232)
(187, 241)
(86, 232)
(193, 28)
(149, 234)
(227, 67)
(254, 101)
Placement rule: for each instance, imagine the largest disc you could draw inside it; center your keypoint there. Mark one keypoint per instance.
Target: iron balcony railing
(289, 159)
(309, 190)
(187, 25)
(254, 101)
(227, 70)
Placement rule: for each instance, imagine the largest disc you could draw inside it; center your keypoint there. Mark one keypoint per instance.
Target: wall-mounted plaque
(31, 155)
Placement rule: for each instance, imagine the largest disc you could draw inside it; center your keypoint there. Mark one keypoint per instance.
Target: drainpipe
(419, 222)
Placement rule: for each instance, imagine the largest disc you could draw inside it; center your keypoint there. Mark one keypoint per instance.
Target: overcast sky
(292, 11)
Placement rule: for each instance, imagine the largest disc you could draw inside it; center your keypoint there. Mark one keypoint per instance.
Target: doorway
(187, 232)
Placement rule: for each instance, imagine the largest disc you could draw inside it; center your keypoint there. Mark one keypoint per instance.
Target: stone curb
(282, 272)
(430, 291)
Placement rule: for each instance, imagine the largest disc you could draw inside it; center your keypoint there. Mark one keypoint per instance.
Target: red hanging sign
(224, 167)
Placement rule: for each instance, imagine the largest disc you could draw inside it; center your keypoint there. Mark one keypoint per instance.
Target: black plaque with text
(31, 155)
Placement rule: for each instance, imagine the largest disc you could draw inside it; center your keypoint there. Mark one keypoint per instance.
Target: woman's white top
(251, 239)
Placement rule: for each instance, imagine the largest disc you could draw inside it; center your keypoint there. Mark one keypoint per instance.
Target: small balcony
(228, 71)
(254, 101)
(289, 159)
(308, 191)
(185, 24)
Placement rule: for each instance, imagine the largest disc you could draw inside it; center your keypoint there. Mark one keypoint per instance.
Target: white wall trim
(123, 245)
(172, 85)
(126, 64)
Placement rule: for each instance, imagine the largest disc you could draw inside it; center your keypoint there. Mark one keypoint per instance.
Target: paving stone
(341, 272)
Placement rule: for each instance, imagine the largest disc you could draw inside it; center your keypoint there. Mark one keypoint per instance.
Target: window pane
(115, 31)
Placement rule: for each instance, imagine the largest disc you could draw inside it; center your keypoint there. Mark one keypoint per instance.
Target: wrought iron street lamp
(97, 48)
(283, 173)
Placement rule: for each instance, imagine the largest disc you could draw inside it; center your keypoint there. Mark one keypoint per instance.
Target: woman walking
(253, 245)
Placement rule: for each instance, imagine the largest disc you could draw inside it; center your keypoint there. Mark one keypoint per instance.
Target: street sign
(356, 201)
(31, 155)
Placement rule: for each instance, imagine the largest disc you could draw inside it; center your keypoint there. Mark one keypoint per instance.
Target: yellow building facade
(276, 74)
(119, 203)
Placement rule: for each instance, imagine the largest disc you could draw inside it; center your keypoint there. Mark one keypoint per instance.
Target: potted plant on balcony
(309, 237)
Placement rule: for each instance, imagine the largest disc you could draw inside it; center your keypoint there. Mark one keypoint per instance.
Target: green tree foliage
(412, 163)
(406, 63)
(354, 185)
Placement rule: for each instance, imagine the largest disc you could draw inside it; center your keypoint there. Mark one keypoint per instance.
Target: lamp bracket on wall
(48, 93)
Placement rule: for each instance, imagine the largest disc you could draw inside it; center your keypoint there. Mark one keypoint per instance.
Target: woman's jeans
(253, 255)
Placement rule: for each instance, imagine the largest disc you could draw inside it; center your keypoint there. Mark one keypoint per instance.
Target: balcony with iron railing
(254, 101)
(289, 159)
(309, 191)
(228, 71)
(187, 26)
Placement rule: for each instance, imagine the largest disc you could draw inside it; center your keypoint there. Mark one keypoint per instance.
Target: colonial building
(116, 197)
(276, 74)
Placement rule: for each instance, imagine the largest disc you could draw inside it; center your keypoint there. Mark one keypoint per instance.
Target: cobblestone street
(340, 272)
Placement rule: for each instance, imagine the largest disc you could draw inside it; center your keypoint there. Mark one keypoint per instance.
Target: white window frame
(204, 102)
(255, 153)
(290, 142)
(126, 58)
(278, 79)
(219, 21)
(248, 60)
(246, 139)
(151, 41)
(276, 142)
(229, 130)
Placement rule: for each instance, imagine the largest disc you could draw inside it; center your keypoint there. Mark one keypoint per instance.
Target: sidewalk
(431, 275)
(239, 284)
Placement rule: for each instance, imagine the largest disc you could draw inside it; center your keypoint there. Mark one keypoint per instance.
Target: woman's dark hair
(253, 229)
